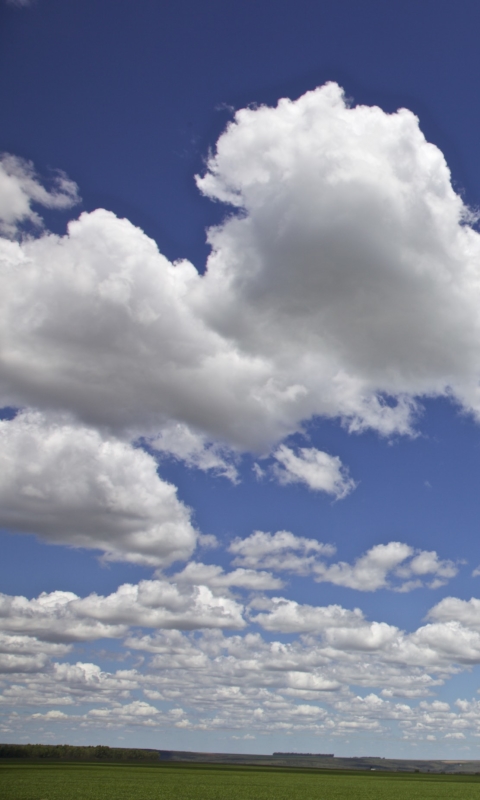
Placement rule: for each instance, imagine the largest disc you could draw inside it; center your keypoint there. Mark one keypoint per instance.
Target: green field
(204, 782)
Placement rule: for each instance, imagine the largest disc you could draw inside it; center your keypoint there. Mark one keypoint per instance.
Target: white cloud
(427, 562)
(439, 646)
(65, 617)
(379, 568)
(51, 716)
(181, 442)
(100, 324)
(136, 713)
(278, 551)
(370, 571)
(218, 682)
(51, 617)
(317, 470)
(26, 653)
(350, 276)
(71, 485)
(161, 604)
(234, 673)
(29, 645)
(452, 609)
(20, 186)
(349, 266)
(449, 641)
(216, 578)
(288, 616)
(67, 684)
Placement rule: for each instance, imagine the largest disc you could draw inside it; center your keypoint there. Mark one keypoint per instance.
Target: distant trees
(68, 752)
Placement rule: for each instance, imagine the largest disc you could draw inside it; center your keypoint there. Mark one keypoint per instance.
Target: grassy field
(204, 782)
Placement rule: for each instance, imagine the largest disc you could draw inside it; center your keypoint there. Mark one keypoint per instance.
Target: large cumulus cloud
(351, 266)
(347, 274)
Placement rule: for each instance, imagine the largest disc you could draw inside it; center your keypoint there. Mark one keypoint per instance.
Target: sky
(240, 375)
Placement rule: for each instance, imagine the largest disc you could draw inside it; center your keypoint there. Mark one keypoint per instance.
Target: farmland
(218, 782)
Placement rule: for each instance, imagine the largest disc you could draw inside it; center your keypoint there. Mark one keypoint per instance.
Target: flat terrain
(204, 782)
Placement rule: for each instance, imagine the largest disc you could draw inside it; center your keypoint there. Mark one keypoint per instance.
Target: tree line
(68, 752)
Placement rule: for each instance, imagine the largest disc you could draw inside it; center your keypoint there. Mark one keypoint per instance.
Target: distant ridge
(317, 755)
(325, 761)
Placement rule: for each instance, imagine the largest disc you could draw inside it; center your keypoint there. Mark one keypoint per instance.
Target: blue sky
(239, 266)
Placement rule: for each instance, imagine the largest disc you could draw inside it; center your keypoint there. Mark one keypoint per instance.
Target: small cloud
(370, 571)
(319, 471)
(21, 187)
(280, 551)
(409, 586)
(208, 540)
(213, 576)
(380, 565)
(259, 472)
(181, 442)
(436, 584)
(50, 716)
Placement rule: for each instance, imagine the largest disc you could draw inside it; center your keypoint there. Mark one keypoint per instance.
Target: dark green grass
(205, 782)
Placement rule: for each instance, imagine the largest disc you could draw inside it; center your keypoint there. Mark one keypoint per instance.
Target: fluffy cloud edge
(74, 485)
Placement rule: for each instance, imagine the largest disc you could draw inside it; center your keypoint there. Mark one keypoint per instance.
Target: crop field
(205, 782)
